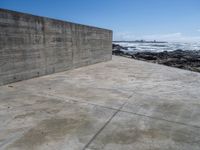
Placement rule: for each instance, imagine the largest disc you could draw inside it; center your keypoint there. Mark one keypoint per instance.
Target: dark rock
(118, 52)
(117, 47)
(179, 58)
(146, 56)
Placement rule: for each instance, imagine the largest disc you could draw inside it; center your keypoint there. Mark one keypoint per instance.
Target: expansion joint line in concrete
(103, 127)
(155, 118)
(120, 109)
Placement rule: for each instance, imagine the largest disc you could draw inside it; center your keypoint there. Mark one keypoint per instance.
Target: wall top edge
(63, 21)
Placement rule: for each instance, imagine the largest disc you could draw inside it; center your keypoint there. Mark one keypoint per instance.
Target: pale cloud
(124, 36)
(177, 37)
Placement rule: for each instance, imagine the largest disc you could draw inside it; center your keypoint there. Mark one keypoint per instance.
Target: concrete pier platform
(123, 104)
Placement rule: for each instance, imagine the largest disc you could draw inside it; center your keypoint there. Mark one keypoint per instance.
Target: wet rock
(184, 59)
(118, 52)
(117, 47)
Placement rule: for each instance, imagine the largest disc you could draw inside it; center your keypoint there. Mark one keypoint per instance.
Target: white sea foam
(159, 47)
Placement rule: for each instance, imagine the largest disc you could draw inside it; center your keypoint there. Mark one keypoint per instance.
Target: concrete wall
(32, 46)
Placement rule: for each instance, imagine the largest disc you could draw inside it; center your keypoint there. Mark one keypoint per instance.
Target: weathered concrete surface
(121, 104)
(32, 46)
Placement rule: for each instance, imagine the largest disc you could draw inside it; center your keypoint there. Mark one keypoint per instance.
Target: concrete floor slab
(121, 104)
(132, 132)
(181, 111)
(49, 123)
(86, 84)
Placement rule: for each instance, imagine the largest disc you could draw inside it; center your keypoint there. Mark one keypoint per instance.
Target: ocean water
(159, 47)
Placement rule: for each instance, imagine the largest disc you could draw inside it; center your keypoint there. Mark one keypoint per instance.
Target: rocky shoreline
(184, 59)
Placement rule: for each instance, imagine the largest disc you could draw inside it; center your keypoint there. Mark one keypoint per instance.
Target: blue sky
(171, 20)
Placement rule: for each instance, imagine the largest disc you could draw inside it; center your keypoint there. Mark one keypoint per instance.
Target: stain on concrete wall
(32, 46)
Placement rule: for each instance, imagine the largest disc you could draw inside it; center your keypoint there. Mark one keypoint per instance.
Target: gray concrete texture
(123, 104)
(32, 46)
